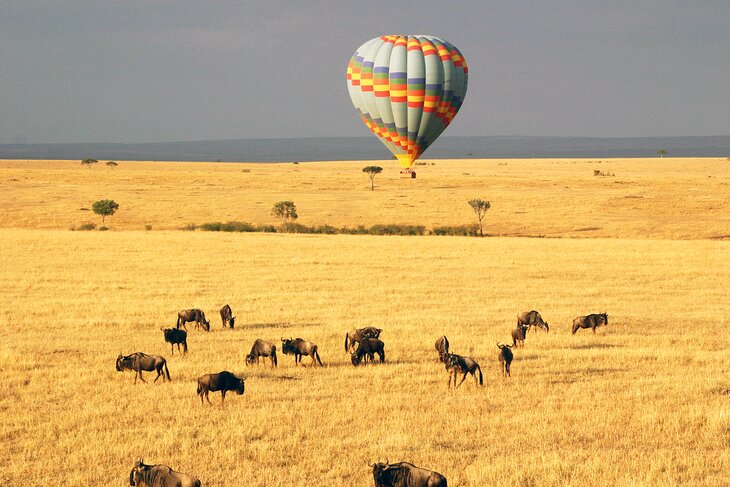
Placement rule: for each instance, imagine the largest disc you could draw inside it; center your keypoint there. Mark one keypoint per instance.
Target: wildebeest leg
(223, 396)
(462, 379)
(159, 372)
(207, 398)
(594, 329)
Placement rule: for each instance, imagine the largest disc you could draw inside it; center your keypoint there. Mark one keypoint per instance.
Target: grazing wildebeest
(505, 358)
(190, 315)
(590, 321)
(262, 348)
(442, 347)
(222, 381)
(518, 335)
(456, 364)
(532, 318)
(227, 316)
(368, 348)
(404, 474)
(299, 347)
(142, 362)
(159, 476)
(353, 337)
(173, 336)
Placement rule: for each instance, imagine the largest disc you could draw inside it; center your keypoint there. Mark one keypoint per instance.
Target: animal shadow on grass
(574, 376)
(278, 377)
(591, 346)
(279, 325)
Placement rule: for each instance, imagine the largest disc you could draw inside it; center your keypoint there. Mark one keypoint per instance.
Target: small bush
(87, 226)
(397, 230)
(148, 227)
(327, 230)
(103, 229)
(458, 230)
(245, 170)
(598, 172)
(190, 227)
(358, 230)
(266, 228)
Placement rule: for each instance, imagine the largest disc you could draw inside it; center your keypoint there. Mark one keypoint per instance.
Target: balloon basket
(408, 173)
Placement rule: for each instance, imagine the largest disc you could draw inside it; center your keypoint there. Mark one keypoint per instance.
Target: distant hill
(368, 148)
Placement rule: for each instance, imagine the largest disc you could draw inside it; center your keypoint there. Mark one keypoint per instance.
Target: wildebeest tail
(200, 388)
(316, 355)
(167, 372)
(346, 337)
(185, 347)
(177, 325)
(481, 377)
(273, 356)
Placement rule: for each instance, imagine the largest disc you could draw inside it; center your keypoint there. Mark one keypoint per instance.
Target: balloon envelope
(407, 89)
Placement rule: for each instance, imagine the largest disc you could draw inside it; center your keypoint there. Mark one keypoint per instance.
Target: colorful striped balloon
(407, 89)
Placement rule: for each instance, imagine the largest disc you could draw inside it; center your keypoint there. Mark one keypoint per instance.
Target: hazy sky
(146, 71)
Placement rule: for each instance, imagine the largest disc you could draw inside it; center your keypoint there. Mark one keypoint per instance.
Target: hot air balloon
(407, 89)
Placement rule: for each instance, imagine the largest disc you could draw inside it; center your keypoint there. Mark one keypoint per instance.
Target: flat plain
(643, 402)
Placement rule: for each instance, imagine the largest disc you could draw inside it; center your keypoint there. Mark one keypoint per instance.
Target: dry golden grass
(656, 198)
(644, 402)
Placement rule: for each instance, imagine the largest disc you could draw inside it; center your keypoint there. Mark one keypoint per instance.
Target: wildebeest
(404, 474)
(505, 358)
(368, 348)
(518, 335)
(442, 347)
(222, 381)
(262, 348)
(591, 321)
(299, 347)
(142, 362)
(355, 336)
(456, 364)
(173, 336)
(227, 316)
(532, 318)
(159, 476)
(190, 315)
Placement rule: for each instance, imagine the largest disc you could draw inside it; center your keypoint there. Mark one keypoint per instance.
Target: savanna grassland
(644, 402)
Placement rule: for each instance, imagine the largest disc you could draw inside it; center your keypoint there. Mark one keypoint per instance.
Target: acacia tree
(105, 208)
(112, 164)
(372, 171)
(661, 152)
(285, 210)
(480, 208)
(88, 162)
